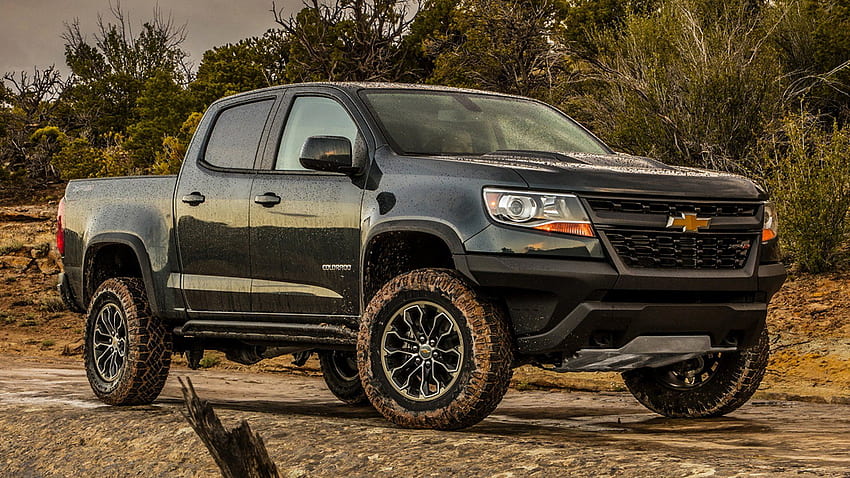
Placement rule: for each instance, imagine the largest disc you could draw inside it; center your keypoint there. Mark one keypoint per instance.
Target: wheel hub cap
(422, 351)
(691, 373)
(110, 342)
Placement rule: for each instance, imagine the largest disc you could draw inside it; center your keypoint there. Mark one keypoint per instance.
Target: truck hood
(619, 174)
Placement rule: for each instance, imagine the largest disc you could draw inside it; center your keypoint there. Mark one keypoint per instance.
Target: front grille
(672, 208)
(644, 249)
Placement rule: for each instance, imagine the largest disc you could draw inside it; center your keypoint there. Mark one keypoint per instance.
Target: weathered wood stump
(239, 453)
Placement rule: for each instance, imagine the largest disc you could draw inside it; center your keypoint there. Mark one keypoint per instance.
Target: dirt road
(51, 425)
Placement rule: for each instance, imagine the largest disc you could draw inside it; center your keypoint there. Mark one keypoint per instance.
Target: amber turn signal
(767, 234)
(576, 229)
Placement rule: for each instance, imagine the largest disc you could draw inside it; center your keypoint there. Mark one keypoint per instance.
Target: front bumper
(560, 306)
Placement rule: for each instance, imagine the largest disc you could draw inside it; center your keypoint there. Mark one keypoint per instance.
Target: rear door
(211, 204)
(306, 241)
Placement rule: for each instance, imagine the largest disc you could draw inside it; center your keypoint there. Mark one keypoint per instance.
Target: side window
(311, 116)
(236, 134)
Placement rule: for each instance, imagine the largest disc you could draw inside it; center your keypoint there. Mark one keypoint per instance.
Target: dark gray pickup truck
(423, 241)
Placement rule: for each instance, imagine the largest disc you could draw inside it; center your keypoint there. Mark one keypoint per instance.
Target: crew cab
(423, 241)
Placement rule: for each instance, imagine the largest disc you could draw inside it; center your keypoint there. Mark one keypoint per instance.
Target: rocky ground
(549, 424)
(53, 427)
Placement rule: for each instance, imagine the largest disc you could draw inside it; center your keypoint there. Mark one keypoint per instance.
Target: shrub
(52, 304)
(808, 174)
(169, 159)
(690, 83)
(77, 159)
(210, 361)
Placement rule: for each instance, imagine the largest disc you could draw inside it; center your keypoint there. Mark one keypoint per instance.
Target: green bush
(169, 159)
(690, 83)
(808, 174)
(210, 361)
(78, 159)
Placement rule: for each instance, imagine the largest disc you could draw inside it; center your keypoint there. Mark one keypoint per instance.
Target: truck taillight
(60, 227)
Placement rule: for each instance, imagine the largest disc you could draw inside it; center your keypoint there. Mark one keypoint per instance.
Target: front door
(305, 225)
(211, 204)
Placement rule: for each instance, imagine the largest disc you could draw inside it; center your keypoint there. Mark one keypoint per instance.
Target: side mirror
(328, 153)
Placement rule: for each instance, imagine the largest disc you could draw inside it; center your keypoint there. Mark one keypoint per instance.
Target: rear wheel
(707, 386)
(433, 353)
(127, 351)
(339, 369)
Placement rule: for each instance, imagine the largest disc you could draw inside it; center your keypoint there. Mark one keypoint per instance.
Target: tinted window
(311, 116)
(236, 135)
(456, 123)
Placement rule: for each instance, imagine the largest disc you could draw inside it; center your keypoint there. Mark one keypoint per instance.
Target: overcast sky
(30, 30)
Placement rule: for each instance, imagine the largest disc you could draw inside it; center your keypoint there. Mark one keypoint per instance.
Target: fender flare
(135, 244)
(438, 229)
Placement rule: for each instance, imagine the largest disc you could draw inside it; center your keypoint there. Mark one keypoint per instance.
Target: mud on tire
(339, 369)
(734, 379)
(471, 330)
(127, 351)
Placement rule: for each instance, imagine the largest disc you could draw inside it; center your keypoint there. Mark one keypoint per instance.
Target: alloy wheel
(110, 342)
(422, 350)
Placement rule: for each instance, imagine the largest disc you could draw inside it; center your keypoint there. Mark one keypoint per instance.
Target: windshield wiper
(534, 154)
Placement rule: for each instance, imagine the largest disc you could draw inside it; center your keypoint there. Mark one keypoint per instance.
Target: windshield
(455, 123)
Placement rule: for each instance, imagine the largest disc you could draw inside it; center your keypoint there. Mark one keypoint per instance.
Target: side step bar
(318, 334)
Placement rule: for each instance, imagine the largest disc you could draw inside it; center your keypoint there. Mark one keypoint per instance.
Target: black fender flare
(135, 244)
(438, 229)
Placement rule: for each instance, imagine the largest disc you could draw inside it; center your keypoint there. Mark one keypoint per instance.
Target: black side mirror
(328, 153)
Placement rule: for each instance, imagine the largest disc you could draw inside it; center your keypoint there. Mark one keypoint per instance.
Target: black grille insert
(673, 208)
(643, 249)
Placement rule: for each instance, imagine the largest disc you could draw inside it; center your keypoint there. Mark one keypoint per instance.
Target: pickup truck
(423, 242)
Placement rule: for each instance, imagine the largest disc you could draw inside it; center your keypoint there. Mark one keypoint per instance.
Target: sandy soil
(53, 427)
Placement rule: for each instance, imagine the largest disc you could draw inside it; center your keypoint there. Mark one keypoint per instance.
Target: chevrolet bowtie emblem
(688, 222)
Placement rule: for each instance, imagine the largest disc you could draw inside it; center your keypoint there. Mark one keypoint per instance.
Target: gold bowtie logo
(688, 222)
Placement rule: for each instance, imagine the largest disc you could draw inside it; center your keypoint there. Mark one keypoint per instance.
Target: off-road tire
(149, 345)
(733, 383)
(344, 387)
(485, 366)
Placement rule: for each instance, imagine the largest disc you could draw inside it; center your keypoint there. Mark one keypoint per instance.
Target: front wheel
(433, 352)
(710, 385)
(127, 351)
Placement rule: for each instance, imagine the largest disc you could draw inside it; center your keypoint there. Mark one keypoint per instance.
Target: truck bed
(99, 208)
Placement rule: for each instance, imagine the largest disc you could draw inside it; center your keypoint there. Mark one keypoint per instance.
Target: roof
(352, 87)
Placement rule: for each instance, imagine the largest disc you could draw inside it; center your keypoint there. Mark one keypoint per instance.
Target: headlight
(542, 211)
(770, 227)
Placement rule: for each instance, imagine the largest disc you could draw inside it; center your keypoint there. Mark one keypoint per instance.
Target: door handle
(267, 199)
(194, 199)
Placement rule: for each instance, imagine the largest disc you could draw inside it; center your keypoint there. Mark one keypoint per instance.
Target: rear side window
(236, 134)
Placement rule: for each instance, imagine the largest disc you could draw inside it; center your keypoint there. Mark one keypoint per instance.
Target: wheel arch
(412, 244)
(110, 255)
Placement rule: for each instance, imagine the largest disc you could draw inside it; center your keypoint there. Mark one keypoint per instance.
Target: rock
(47, 266)
(16, 262)
(54, 256)
(75, 348)
(817, 308)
